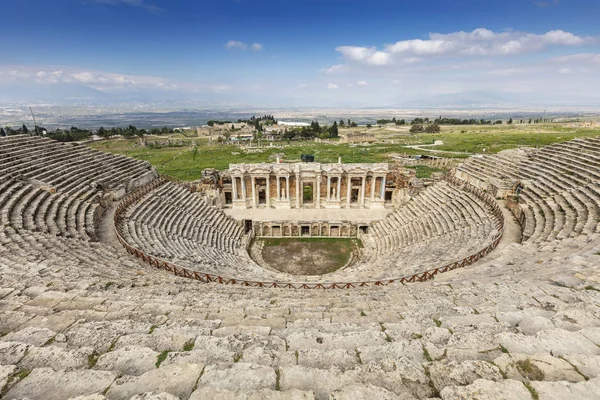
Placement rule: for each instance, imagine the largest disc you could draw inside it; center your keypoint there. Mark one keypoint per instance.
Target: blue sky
(310, 53)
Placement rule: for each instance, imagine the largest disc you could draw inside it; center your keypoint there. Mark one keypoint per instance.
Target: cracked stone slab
(12, 352)
(31, 335)
(368, 392)
(341, 358)
(261, 394)
(453, 373)
(5, 372)
(391, 351)
(328, 341)
(154, 396)
(128, 360)
(567, 390)
(178, 380)
(483, 389)
(556, 341)
(588, 365)
(542, 366)
(47, 384)
(238, 376)
(56, 358)
(10, 320)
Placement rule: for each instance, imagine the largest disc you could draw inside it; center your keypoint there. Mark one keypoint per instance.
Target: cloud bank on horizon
(286, 65)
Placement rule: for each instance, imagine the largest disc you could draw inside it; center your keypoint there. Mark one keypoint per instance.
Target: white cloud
(579, 58)
(99, 80)
(362, 83)
(480, 42)
(332, 86)
(333, 69)
(369, 56)
(236, 44)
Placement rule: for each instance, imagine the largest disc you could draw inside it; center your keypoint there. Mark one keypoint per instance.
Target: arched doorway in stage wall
(307, 193)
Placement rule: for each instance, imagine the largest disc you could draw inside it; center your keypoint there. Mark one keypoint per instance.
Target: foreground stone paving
(84, 320)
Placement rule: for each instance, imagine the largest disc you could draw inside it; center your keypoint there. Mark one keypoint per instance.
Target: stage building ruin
(307, 185)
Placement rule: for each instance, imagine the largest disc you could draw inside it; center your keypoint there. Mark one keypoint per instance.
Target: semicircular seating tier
(442, 224)
(57, 188)
(182, 227)
(176, 225)
(83, 319)
(559, 187)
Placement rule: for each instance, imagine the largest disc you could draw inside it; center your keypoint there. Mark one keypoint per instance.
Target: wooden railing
(156, 262)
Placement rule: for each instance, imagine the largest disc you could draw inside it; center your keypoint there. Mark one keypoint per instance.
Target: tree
(103, 133)
(499, 122)
(315, 127)
(333, 131)
(417, 128)
(2, 132)
(432, 128)
(25, 130)
(342, 123)
(194, 152)
(510, 121)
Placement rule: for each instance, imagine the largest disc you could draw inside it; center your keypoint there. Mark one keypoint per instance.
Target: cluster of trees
(312, 131)
(213, 122)
(266, 119)
(391, 121)
(425, 128)
(8, 131)
(76, 134)
(349, 124)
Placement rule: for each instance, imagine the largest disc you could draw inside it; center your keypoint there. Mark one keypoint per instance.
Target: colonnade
(327, 190)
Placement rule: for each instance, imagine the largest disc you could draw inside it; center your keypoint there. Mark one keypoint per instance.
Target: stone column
(383, 188)
(278, 197)
(328, 188)
(287, 187)
(268, 194)
(339, 188)
(243, 179)
(362, 190)
(298, 198)
(253, 192)
(234, 187)
(349, 184)
(373, 183)
(318, 189)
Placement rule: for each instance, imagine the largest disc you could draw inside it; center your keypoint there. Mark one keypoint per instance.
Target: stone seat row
(174, 209)
(121, 330)
(435, 212)
(65, 166)
(561, 188)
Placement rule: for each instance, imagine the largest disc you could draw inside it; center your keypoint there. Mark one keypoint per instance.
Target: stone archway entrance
(307, 193)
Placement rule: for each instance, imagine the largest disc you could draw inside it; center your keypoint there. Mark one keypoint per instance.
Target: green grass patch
(161, 357)
(307, 256)
(180, 162)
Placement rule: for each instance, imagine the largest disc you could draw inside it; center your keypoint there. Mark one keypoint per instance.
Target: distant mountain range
(78, 94)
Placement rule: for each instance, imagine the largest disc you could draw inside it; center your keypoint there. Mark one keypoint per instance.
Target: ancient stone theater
(120, 283)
